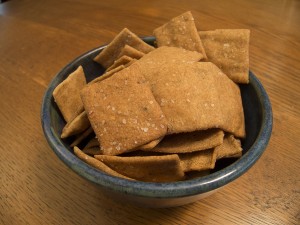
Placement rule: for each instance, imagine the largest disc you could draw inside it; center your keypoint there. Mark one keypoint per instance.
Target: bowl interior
(258, 119)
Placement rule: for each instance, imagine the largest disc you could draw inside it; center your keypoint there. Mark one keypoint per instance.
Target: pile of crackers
(160, 114)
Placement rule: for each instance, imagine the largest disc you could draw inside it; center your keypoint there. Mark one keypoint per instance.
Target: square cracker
(195, 96)
(67, 94)
(109, 54)
(180, 32)
(123, 111)
(229, 50)
(189, 142)
(164, 168)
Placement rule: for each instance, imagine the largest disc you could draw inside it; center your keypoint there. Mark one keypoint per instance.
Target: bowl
(258, 121)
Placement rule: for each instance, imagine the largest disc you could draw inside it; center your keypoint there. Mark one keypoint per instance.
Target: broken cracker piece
(180, 32)
(67, 94)
(109, 54)
(120, 128)
(165, 168)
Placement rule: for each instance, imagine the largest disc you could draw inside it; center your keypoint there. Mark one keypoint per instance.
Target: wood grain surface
(37, 38)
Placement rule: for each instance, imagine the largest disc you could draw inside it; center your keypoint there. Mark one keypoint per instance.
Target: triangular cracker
(180, 32)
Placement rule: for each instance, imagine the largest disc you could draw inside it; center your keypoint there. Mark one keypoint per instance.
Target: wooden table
(37, 38)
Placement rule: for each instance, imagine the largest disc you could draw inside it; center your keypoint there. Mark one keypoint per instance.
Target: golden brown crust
(108, 55)
(231, 147)
(165, 168)
(229, 50)
(67, 94)
(97, 164)
(120, 128)
(189, 142)
(180, 32)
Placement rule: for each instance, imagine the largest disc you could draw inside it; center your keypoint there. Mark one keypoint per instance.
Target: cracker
(165, 168)
(151, 63)
(119, 62)
(76, 126)
(80, 137)
(150, 145)
(180, 32)
(198, 161)
(108, 55)
(190, 142)
(229, 50)
(107, 74)
(93, 151)
(120, 128)
(92, 143)
(231, 147)
(131, 52)
(195, 96)
(67, 94)
(97, 164)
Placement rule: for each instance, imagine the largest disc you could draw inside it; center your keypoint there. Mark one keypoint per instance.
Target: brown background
(37, 38)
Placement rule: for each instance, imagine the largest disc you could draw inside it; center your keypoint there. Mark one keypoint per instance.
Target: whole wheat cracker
(67, 94)
(109, 54)
(229, 50)
(165, 168)
(181, 32)
(189, 142)
(120, 128)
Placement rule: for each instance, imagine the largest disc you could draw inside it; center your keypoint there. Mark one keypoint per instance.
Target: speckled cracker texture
(194, 95)
(123, 111)
(229, 50)
(108, 55)
(180, 32)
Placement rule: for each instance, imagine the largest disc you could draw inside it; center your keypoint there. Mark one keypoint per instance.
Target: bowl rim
(151, 189)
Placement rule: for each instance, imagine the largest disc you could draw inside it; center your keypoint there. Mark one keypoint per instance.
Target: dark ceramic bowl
(258, 117)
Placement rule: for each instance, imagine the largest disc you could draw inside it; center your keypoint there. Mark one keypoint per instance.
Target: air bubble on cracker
(124, 121)
(145, 129)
